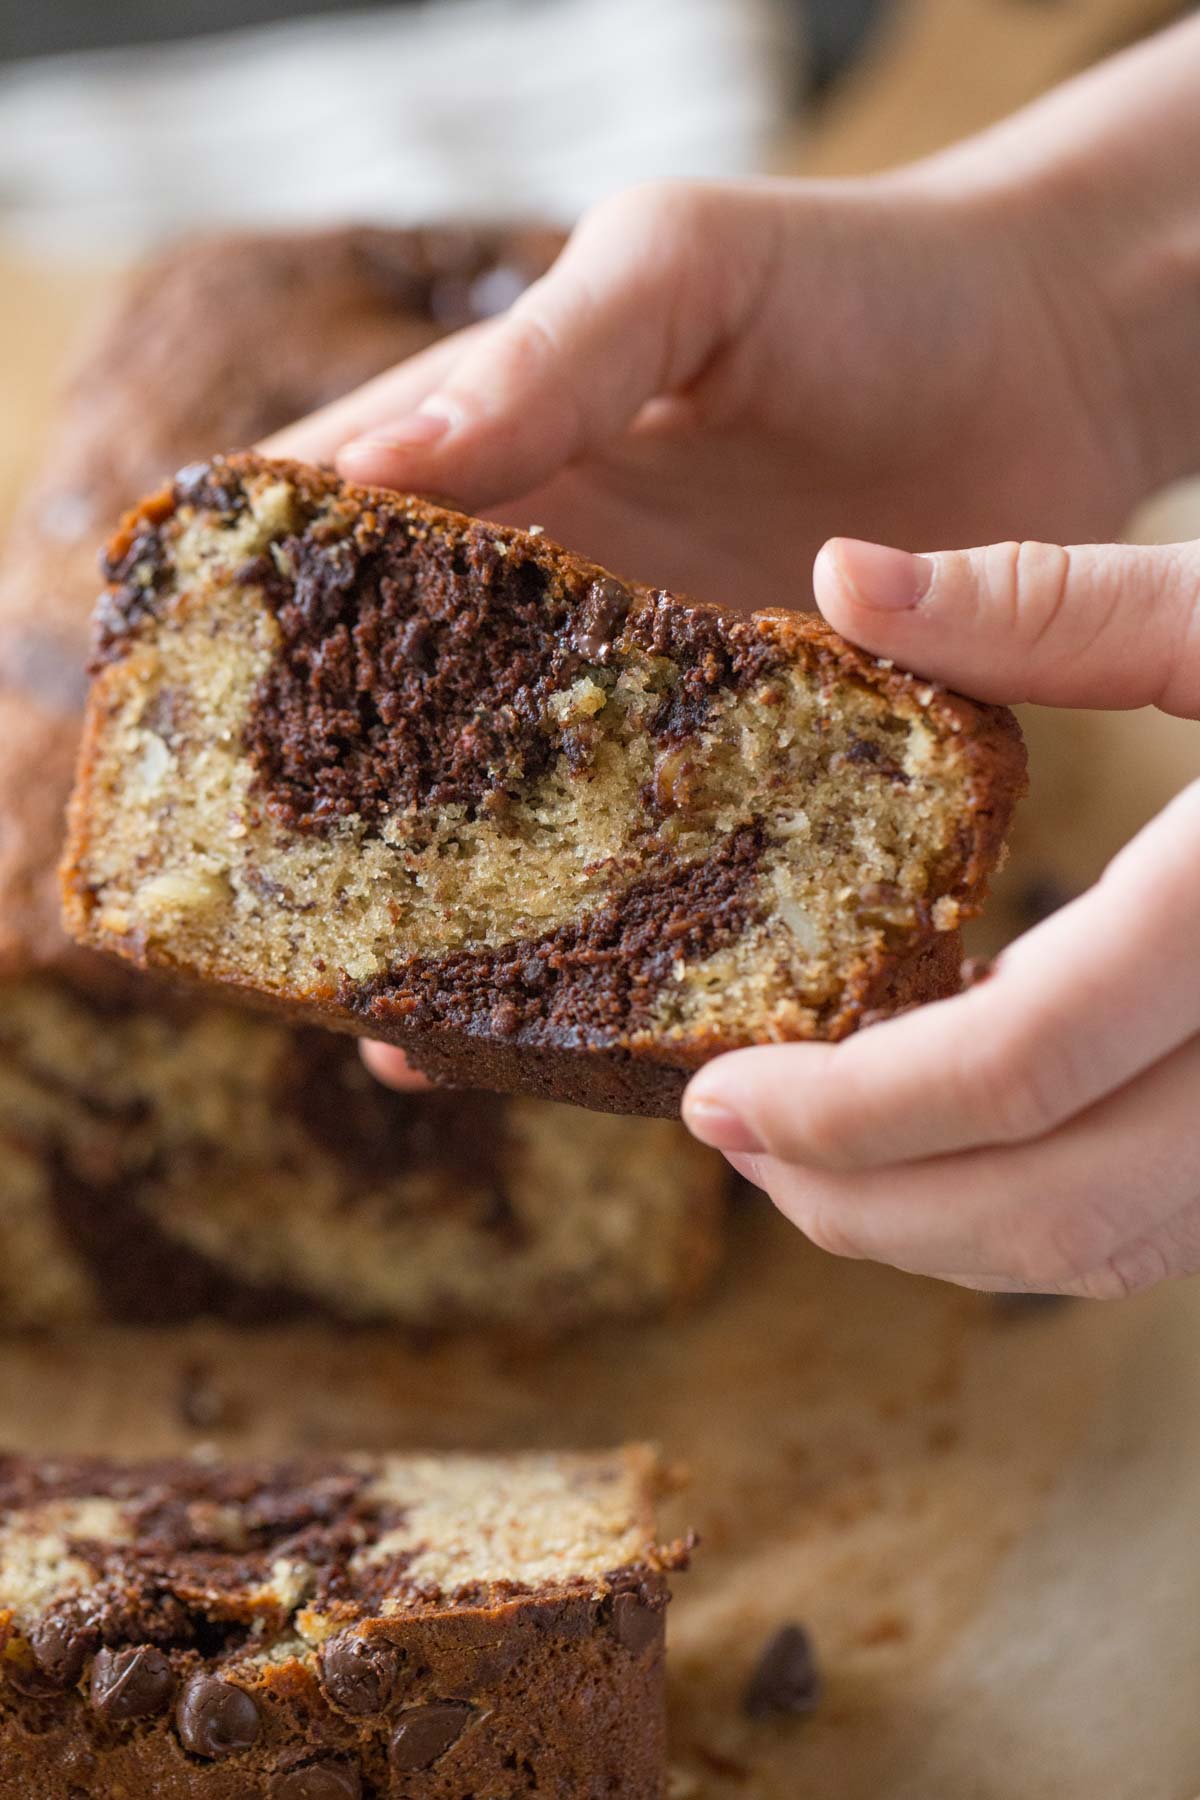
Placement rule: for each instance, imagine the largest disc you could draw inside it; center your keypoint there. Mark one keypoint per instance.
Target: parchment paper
(984, 1516)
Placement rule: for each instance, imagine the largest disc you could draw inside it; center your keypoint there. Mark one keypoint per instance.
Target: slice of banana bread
(440, 781)
(450, 1627)
(160, 1160)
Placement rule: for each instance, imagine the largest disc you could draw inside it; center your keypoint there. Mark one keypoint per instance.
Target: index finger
(320, 435)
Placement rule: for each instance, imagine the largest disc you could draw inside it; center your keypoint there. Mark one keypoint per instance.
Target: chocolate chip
(601, 616)
(60, 1643)
(359, 1673)
(200, 1403)
(865, 753)
(130, 1684)
(785, 1684)
(326, 1780)
(208, 487)
(190, 479)
(636, 1624)
(425, 1733)
(214, 1718)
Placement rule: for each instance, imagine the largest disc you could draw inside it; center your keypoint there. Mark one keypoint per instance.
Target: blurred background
(122, 122)
(126, 124)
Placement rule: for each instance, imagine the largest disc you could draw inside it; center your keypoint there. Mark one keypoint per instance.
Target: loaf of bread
(440, 781)
(168, 1161)
(160, 1160)
(332, 1630)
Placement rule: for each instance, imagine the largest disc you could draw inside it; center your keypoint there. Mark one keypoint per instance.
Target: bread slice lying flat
(440, 782)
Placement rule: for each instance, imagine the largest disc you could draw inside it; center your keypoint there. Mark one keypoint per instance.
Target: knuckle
(1025, 583)
(533, 359)
(821, 1224)
(1011, 1089)
(529, 338)
(1029, 1104)
(1000, 582)
(645, 214)
(822, 1133)
(1062, 1249)
(1125, 1273)
(1039, 583)
(1180, 687)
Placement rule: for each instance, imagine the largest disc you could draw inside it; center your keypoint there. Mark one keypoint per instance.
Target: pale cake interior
(861, 796)
(186, 1116)
(538, 1522)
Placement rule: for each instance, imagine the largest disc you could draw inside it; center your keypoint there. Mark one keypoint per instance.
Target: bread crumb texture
(349, 749)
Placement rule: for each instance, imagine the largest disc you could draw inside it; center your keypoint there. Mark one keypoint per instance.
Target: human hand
(1038, 1132)
(998, 341)
(712, 379)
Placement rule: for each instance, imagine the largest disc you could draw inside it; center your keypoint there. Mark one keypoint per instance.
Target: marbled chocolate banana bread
(440, 781)
(441, 1627)
(172, 1161)
(162, 1159)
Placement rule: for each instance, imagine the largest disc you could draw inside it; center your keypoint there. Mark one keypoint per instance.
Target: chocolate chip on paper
(785, 1682)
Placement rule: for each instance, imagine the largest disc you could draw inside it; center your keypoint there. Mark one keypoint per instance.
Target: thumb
(645, 293)
(1105, 625)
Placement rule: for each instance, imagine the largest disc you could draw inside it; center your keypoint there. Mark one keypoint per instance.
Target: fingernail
(719, 1126)
(878, 576)
(414, 431)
